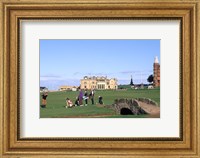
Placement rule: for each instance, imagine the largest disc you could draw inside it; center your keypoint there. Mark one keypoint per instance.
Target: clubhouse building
(99, 83)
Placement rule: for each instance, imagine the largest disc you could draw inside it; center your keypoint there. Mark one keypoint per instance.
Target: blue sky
(65, 62)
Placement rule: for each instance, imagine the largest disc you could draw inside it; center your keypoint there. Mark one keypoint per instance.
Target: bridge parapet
(128, 104)
(148, 101)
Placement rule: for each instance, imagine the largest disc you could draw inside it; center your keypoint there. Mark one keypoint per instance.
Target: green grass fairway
(56, 103)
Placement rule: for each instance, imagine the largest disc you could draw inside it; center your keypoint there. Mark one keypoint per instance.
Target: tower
(156, 72)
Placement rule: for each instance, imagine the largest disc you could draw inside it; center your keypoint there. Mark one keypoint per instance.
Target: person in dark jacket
(100, 100)
(76, 102)
(92, 96)
(86, 97)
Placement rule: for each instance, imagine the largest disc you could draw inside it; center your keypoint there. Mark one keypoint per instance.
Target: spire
(131, 83)
(156, 60)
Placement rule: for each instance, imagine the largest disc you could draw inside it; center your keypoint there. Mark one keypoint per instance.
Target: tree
(150, 79)
(131, 83)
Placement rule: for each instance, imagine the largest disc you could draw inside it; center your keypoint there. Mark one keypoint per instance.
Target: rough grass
(56, 103)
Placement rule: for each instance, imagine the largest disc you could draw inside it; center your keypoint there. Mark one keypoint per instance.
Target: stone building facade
(156, 73)
(99, 83)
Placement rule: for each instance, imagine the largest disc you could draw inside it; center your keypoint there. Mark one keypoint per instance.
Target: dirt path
(150, 109)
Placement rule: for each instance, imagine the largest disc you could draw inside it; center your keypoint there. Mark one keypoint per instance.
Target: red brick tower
(156, 73)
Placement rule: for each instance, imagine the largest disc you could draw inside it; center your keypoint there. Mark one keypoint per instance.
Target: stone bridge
(136, 106)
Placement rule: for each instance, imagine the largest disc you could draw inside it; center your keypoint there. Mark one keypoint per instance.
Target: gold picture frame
(188, 12)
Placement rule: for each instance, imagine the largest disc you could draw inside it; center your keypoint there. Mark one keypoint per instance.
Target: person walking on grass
(80, 97)
(44, 99)
(92, 96)
(86, 97)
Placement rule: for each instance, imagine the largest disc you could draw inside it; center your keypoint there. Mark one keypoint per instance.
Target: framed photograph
(99, 79)
(91, 89)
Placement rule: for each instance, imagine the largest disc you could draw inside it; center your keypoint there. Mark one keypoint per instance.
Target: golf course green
(56, 103)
